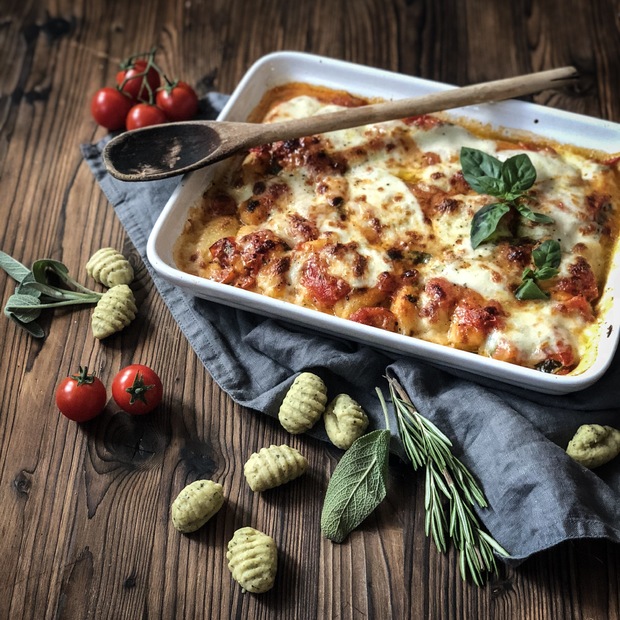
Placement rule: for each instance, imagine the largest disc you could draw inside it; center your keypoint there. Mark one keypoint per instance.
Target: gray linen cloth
(512, 440)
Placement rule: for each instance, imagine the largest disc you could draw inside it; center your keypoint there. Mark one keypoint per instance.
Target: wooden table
(84, 509)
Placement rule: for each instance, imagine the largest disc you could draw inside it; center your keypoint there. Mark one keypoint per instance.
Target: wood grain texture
(84, 510)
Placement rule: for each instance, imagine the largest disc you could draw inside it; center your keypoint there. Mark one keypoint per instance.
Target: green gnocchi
(115, 310)
(594, 445)
(273, 466)
(109, 267)
(345, 421)
(253, 560)
(303, 404)
(196, 504)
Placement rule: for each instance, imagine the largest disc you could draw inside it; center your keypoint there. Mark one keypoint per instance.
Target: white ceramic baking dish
(281, 67)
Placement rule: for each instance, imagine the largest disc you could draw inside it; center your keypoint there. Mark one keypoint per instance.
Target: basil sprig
(507, 180)
(547, 258)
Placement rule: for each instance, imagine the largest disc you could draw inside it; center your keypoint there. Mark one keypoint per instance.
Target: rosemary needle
(451, 492)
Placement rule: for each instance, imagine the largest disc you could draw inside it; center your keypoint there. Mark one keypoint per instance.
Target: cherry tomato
(178, 101)
(81, 397)
(109, 108)
(134, 79)
(143, 115)
(137, 389)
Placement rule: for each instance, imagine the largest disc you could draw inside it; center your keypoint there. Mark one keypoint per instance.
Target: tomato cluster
(136, 389)
(143, 96)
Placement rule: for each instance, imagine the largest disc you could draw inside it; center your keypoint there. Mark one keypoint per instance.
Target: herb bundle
(36, 291)
(451, 491)
(508, 181)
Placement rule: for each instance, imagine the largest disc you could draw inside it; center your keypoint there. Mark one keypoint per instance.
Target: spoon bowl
(162, 151)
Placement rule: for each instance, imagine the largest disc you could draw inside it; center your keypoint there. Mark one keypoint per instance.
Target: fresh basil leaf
(482, 172)
(548, 254)
(530, 290)
(518, 173)
(13, 267)
(546, 273)
(539, 218)
(485, 222)
(357, 486)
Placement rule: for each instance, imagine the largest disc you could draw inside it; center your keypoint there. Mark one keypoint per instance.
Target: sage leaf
(485, 222)
(34, 329)
(13, 267)
(25, 286)
(357, 486)
(41, 267)
(518, 174)
(23, 308)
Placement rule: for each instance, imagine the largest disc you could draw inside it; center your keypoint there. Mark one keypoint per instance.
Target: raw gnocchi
(345, 421)
(270, 467)
(196, 504)
(303, 404)
(114, 311)
(109, 267)
(253, 560)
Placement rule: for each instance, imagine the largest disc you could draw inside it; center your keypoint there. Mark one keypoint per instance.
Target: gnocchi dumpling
(270, 467)
(303, 404)
(345, 421)
(196, 504)
(109, 267)
(115, 310)
(253, 560)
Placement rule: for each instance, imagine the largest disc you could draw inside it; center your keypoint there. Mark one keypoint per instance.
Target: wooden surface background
(84, 510)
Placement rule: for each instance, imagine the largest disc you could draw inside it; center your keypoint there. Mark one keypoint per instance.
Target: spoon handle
(484, 92)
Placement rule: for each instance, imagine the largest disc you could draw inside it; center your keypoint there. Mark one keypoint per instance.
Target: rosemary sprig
(451, 491)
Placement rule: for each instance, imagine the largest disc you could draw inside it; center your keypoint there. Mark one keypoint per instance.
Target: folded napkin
(511, 439)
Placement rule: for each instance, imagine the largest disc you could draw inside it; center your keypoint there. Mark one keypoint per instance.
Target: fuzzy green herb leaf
(13, 267)
(357, 486)
(36, 291)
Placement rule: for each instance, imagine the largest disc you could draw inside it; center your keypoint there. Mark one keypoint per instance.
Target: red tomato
(143, 115)
(109, 108)
(81, 397)
(137, 389)
(136, 80)
(178, 101)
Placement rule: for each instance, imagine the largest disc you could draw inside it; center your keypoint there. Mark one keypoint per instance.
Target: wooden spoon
(162, 151)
